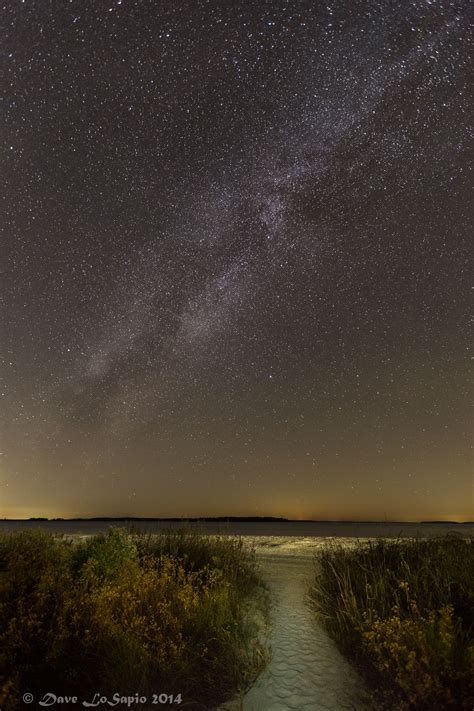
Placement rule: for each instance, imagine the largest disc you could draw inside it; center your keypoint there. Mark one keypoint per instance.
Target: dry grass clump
(404, 611)
(126, 614)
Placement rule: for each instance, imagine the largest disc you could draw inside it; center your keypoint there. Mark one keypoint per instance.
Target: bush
(197, 551)
(110, 552)
(109, 616)
(404, 611)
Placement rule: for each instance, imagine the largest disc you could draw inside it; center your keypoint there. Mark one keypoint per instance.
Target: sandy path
(306, 672)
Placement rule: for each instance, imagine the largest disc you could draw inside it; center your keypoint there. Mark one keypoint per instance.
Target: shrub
(229, 554)
(107, 616)
(110, 552)
(403, 610)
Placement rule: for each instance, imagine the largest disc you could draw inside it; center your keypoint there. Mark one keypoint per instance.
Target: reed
(403, 611)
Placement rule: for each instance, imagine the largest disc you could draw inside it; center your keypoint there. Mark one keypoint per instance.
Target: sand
(306, 672)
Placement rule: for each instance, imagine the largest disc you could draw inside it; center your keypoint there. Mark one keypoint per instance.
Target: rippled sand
(306, 671)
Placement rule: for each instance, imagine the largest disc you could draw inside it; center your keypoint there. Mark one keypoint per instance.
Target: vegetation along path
(306, 672)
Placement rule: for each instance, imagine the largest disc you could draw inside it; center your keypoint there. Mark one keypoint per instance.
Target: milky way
(236, 259)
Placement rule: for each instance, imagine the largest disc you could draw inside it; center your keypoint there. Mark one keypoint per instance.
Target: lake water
(292, 538)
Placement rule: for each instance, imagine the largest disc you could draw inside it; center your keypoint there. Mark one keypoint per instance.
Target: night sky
(235, 259)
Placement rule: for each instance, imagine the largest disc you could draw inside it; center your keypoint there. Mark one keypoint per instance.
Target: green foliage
(110, 552)
(404, 611)
(124, 614)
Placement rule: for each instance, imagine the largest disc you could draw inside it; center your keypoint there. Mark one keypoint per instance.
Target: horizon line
(252, 519)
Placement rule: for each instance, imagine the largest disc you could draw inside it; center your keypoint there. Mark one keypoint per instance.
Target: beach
(306, 671)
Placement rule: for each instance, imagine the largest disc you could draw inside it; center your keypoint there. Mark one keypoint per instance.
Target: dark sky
(235, 258)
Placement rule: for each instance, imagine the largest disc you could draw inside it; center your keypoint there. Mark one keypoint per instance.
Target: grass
(403, 611)
(128, 613)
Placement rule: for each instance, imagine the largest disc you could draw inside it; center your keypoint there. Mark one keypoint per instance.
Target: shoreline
(271, 530)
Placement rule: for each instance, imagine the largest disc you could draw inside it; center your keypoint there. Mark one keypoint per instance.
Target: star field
(235, 274)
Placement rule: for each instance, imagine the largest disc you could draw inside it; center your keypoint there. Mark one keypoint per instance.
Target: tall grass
(197, 551)
(125, 613)
(403, 610)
